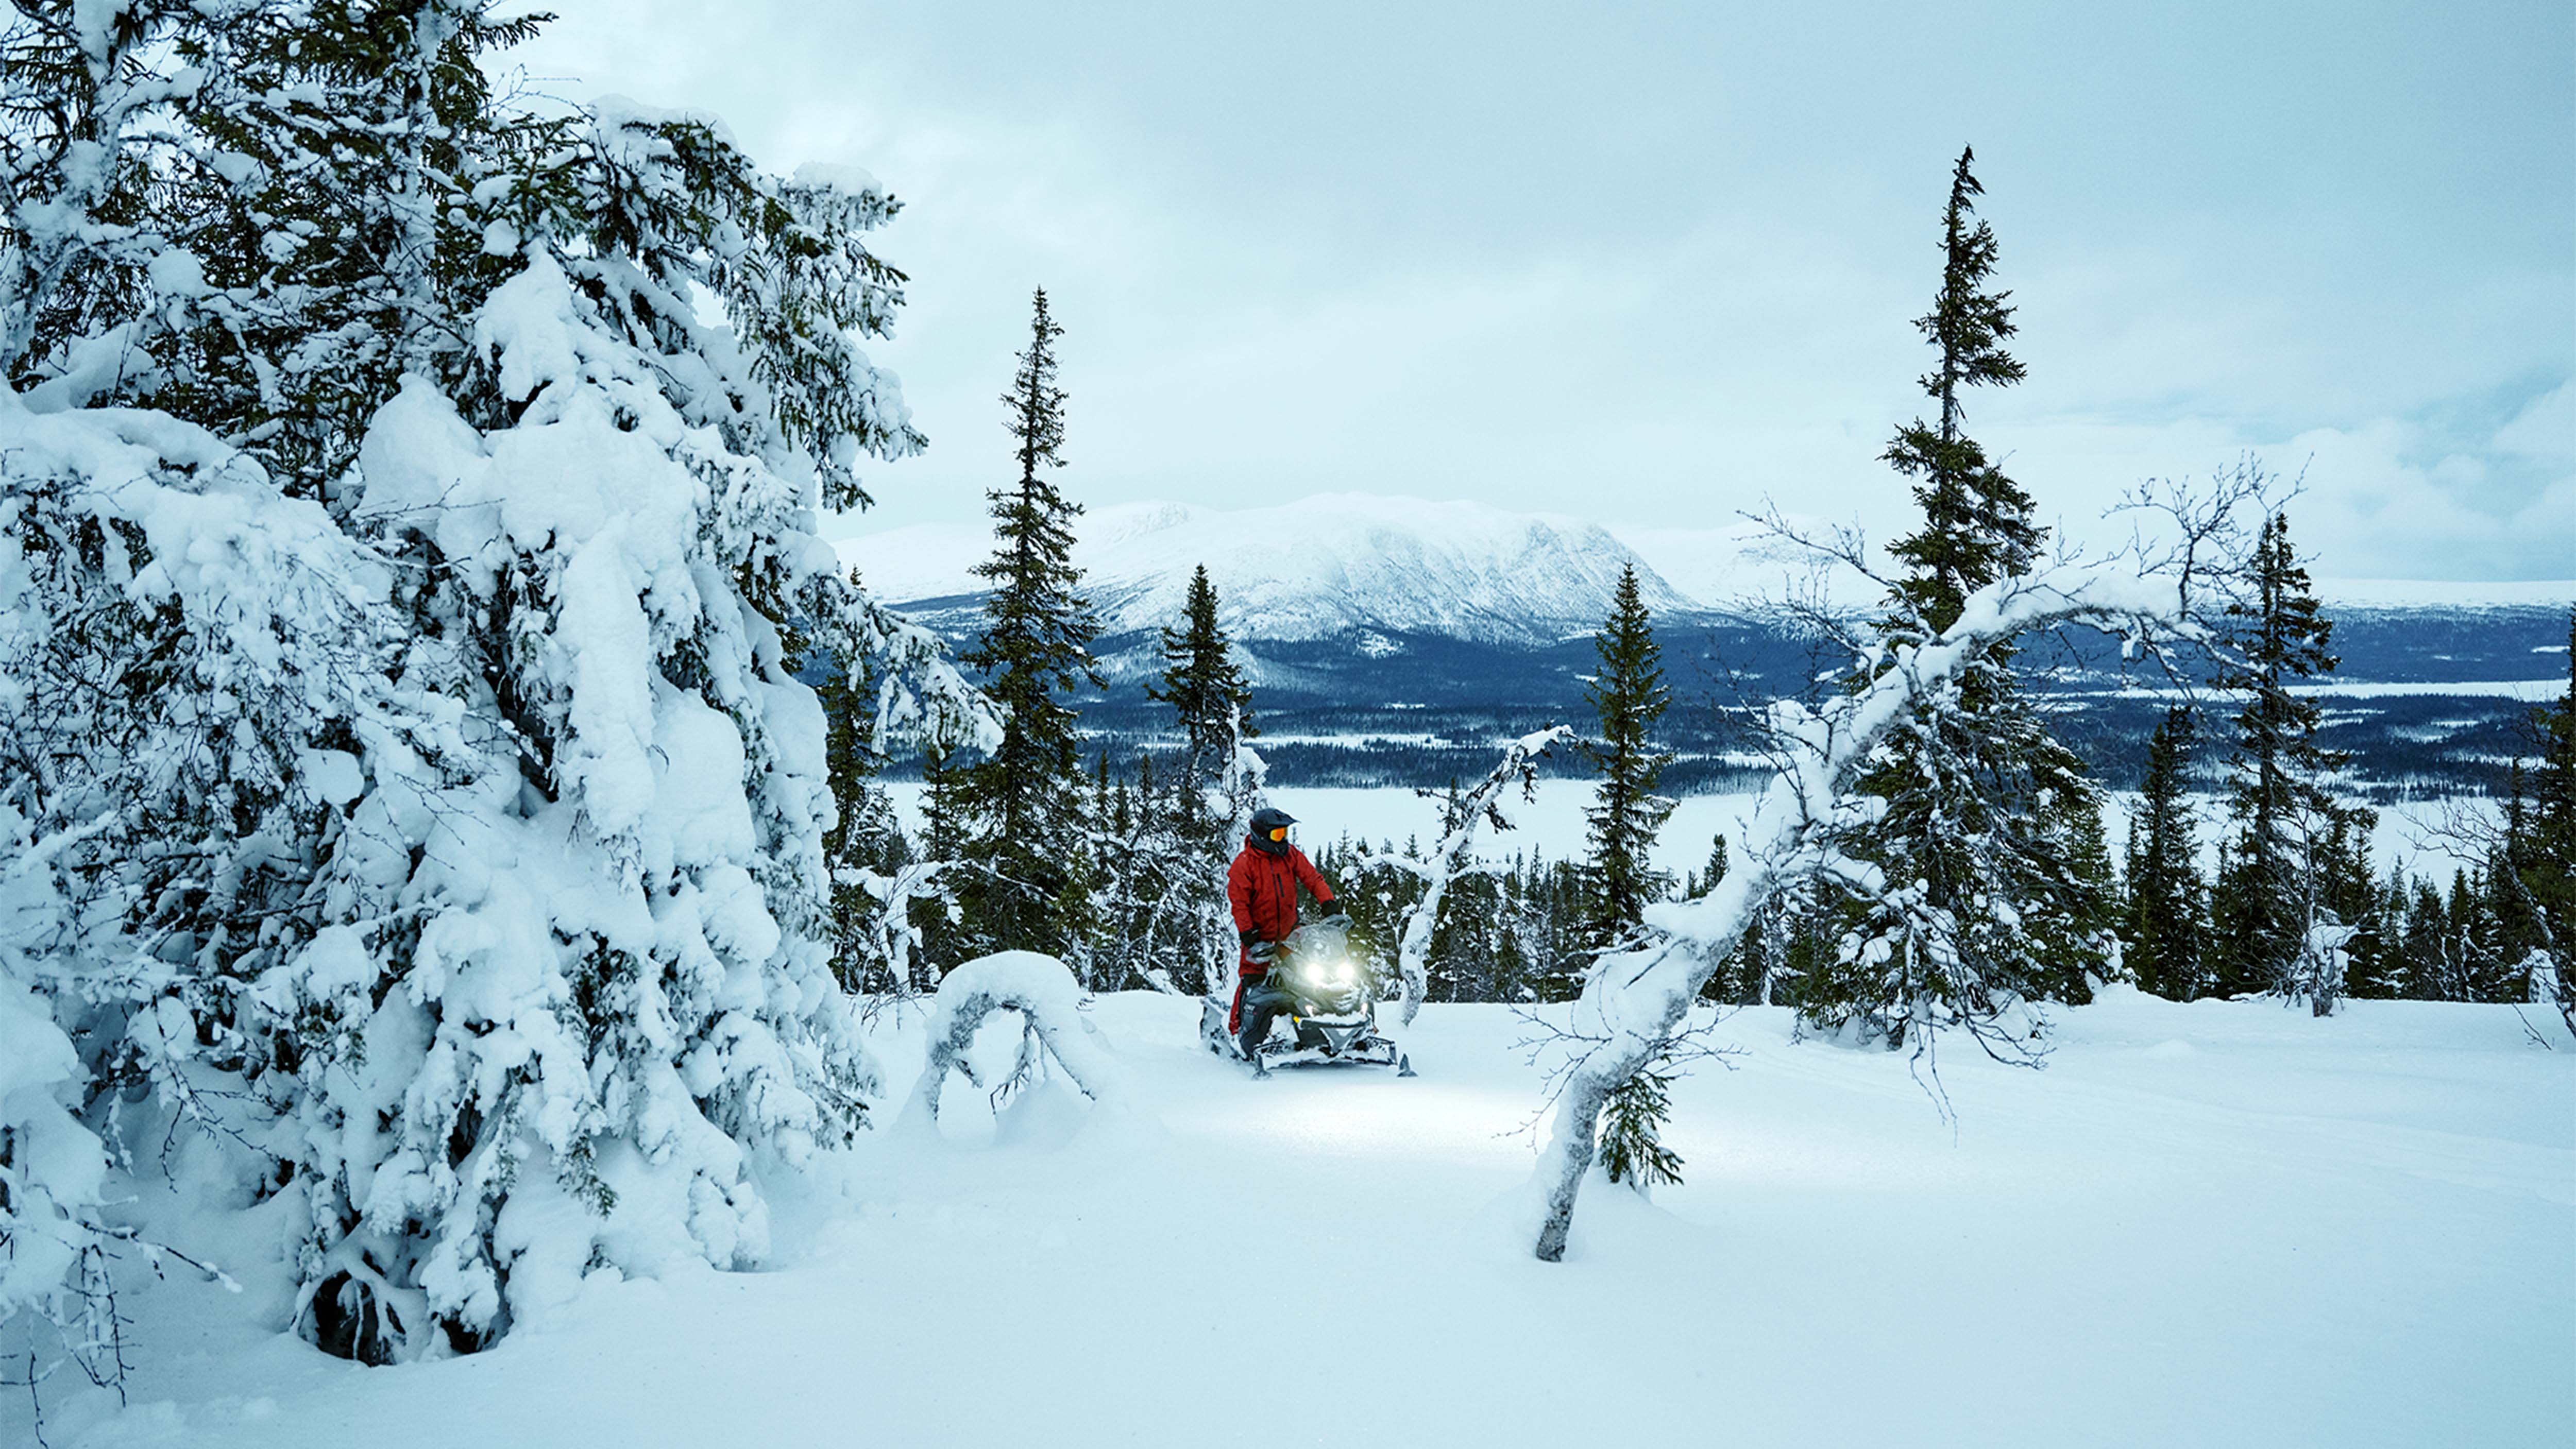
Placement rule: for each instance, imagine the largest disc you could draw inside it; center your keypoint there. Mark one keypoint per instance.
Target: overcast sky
(1645, 264)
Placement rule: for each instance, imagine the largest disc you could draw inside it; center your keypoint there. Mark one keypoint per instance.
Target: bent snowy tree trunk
(1042, 990)
(1456, 853)
(1633, 1002)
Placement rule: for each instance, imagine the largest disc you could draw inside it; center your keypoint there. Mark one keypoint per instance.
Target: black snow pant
(1262, 1003)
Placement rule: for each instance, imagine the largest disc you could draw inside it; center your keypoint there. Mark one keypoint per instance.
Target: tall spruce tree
(2286, 821)
(1990, 907)
(2164, 933)
(1977, 523)
(1629, 696)
(1022, 803)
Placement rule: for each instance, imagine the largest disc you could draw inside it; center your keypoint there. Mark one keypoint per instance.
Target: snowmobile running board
(1364, 1047)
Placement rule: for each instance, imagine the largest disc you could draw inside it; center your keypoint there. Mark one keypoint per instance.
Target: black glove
(1264, 952)
(1332, 908)
(1246, 938)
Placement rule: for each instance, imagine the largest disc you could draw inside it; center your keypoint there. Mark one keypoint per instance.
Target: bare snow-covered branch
(1478, 809)
(1634, 1001)
(1041, 989)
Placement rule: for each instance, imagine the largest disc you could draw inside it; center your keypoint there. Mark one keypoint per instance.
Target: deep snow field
(2216, 1224)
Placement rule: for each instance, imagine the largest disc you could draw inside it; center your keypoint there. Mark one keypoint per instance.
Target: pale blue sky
(1644, 264)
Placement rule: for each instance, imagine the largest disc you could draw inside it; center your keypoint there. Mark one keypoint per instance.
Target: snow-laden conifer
(1629, 696)
(54, 1240)
(458, 846)
(612, 997)
(350, 190)
(2549, 855)
(192, 663)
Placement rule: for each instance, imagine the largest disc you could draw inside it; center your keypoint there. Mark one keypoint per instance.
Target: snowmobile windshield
(1322, 969)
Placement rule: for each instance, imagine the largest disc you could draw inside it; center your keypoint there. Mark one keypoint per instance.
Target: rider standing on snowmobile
(1262, 886)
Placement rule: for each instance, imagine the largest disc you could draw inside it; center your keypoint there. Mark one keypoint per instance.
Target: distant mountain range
(1390, 639)
(1341, 563)
(1319, 568)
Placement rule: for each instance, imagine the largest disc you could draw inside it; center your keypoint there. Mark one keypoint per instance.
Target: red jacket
(1263, 890)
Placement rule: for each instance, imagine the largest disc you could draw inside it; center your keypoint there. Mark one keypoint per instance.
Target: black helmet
(1270, 828)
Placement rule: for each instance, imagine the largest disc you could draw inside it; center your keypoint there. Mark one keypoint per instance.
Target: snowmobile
(1332, 1013)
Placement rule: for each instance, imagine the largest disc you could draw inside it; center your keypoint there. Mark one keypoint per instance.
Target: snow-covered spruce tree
(1378, 893)
(2164, 927)
(1021, 804)
(54, 1238)
(1725, 986)
(1149, 867)
(465, 977)
(2386, 974)
(1128, 879)
(1219, 784)
(2286, 819)
(579, 985)
(1744, 977)
(352, 193)
(187, 661)
(85, 84)
(185, 691)
(1986, 909)
(1701, 882)
(1629, 696)
(618, 993)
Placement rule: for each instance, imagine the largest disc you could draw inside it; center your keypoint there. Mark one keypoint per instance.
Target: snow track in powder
(2210, 1224)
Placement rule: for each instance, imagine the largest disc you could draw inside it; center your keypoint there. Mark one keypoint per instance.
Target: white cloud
(1652, 266)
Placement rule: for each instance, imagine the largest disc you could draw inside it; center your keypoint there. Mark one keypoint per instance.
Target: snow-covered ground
(2215, 1224)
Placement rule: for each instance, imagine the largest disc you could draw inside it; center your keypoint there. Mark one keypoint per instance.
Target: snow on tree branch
(918, 699)
(1042, 990)
(1455, 855)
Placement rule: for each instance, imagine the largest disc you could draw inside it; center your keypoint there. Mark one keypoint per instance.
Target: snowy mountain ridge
(1318, 568)
(1339, 564)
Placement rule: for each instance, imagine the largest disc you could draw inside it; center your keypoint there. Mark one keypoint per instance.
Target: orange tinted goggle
(1279, 834)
